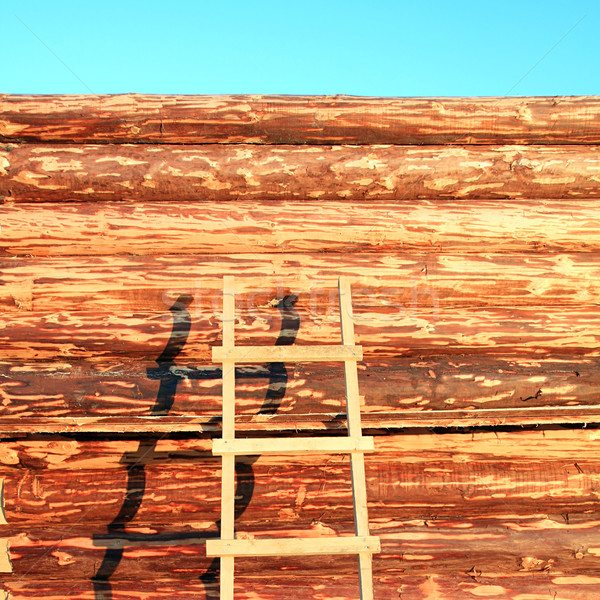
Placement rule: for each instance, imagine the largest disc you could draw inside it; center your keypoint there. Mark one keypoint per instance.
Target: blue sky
(376, 48)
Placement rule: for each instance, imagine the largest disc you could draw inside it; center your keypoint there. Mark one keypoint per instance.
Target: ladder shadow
(169, 378)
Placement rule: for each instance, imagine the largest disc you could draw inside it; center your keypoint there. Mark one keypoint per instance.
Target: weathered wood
(492, 320)
(525, 332)
(409, 387)
(403, 282)
(502, 545)
(142, 173)
(299, 119)
(514, 586)
(381, 421)
(419, 475)
(540, 586)
(103, 228)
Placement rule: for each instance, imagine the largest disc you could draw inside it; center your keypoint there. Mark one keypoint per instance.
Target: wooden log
(104, 228)
(299, 119)
(525, 332)
(403, 388)
(502, 545)
(406, 283)
(66, 452)
(142, 173)
(451, 482)
(509, 586)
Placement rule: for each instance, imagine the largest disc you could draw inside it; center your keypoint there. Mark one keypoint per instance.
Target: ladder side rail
(357, 459)
(228, 433)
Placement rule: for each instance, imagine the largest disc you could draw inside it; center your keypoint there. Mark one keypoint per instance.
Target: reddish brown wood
(514, 586)
(525, 332)
(507, 544)
(400, 282)
(299, 119)
(141, 173)
(106, 228)
(422, 476)
(402, 389)
(474, 264)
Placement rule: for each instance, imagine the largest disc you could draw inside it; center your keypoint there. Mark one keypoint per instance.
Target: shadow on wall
(136, 461)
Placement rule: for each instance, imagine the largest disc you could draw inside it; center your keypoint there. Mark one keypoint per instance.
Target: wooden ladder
(227, 547)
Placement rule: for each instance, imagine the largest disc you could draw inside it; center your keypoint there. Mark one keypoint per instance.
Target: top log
(134, 118)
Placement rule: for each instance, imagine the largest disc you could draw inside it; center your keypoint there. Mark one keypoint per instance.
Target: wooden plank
(357, 461)
(138, 118)
(398, 280)
(292, 546)
(142, 173)
(228, 482)
(105, 228)
(298, 445)
(313, 353)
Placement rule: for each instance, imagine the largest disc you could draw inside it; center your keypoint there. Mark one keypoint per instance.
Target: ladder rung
(259, 354)
(293, 546)
(310, 445)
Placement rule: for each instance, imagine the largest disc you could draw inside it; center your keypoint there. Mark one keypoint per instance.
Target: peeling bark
(142, 173)
(466, 226)
(138, 118)
(400, 282)
(394, 390)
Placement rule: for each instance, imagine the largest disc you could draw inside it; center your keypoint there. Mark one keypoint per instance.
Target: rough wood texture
(525, 332)
(299, 119)
(418, 475)
(432, 586)
(141, 173)
(502, 545)
(530, 494)
(77, 395)
(520, 586)
(474, 263)
(466, 226)
(400, 283)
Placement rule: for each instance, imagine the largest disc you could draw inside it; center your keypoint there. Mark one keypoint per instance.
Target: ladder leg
(228, 462)
(227, 522)
(365, 575)
(226, 576)
(361, 523)
(357, 459)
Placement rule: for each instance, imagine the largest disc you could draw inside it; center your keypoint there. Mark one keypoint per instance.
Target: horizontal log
(383, 421)
(140, 118)
(81, 396)
(103, 228)
(406, 283)
(66, 452)
(525, 332)
(504, 545)
(61, 482)
(249, 586)
(141, 173)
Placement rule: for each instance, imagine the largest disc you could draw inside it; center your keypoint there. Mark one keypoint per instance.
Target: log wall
(469, 229)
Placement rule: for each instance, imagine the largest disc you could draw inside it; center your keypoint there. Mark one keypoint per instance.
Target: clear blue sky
(378, 48)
